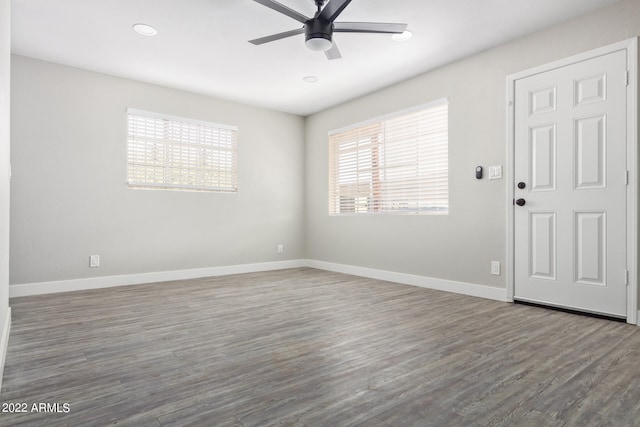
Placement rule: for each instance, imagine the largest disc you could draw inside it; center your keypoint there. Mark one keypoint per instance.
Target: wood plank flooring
(305, 347)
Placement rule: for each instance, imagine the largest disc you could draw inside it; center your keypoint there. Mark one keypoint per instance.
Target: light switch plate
(495, 172)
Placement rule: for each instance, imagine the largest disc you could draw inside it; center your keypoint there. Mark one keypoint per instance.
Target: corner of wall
(5, 172)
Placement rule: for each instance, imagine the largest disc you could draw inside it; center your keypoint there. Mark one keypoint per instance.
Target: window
(394, 165)
(180, 154)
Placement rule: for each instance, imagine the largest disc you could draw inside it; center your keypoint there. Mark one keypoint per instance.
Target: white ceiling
(202, 45)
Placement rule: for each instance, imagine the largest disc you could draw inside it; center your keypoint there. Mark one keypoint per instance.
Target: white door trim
(631, 48)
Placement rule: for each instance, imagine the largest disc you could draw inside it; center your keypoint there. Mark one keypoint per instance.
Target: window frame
(373, 204)
(232, 152)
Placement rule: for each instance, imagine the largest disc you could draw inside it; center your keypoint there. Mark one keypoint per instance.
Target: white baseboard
(27, 289)
(471, 289)
(4, 342)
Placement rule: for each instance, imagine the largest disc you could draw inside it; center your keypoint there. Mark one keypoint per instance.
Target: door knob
(520, 202)
(521, 185)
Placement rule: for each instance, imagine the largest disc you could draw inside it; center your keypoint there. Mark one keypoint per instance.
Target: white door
(570, 186)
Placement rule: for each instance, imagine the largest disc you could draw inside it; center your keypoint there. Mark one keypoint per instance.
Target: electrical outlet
(495, 268)
(94, 261)
(280, 248)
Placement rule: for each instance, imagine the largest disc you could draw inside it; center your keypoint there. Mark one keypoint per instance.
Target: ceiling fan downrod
(319, 4)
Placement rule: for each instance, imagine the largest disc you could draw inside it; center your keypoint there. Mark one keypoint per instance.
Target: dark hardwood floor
(306, 347)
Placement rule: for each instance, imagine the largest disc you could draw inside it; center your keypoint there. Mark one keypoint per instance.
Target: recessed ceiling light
(310, 79)
(145, 30)
(406, 35)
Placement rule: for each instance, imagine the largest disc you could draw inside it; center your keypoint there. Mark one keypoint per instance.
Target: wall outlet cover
(495, 268)
(94, 261)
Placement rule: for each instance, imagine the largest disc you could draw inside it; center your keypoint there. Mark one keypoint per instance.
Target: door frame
(631, 48)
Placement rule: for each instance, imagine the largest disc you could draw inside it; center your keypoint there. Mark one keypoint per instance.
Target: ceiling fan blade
(278, 7)
(333, 52)
(333, 9)
(274, 37)
(368, 27)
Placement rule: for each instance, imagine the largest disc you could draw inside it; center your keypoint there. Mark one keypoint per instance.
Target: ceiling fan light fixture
(318, 34)
(319, 44)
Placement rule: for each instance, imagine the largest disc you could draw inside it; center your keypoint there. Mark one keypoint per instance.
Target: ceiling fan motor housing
(318, 29)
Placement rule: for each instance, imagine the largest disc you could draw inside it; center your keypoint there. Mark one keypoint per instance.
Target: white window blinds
(396, 165)
(180, 154)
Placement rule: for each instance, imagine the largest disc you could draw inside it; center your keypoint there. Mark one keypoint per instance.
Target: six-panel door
(570, 156)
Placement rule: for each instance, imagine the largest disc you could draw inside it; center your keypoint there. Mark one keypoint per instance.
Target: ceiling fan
(319, 30)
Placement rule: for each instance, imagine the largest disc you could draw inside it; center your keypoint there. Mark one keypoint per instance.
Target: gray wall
(69, 192)
(461, 245)
(5, 68)
(70, 200)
